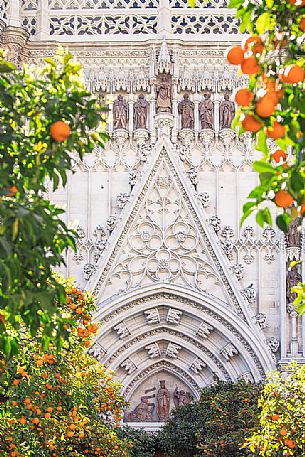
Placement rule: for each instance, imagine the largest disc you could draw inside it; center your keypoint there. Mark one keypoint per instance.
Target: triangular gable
(163, 237)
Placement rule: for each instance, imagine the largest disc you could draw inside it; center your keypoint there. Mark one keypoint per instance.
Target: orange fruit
(250, 66)
(276, 131)
(301, 210)
(265, 106)
(60, 131)
(35, 420)
(22, 420)
(298, 3)
(251, 124)
(302, 24)
(283, 199)
(12, 191)
(254, 43)
(243, 96)
(235, 55)
(290, 443)
(278, 155)
(294, 74)
(47, 415)
(275, 417)
(16, 382)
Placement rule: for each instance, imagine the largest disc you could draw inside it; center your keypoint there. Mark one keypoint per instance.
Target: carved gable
(163, 239)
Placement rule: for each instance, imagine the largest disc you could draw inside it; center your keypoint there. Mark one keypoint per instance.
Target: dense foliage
(60, 403)
(282, 421)
(217, 425)
(46, 116)
(140, 443)
(273, 105)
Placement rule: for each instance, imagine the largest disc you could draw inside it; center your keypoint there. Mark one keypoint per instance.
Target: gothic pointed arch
(167, 303)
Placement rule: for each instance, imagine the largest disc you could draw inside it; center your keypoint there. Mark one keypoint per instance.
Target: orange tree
(60, 403)
(46, 116)
(216, 425)
(282, 421)
(272, 107)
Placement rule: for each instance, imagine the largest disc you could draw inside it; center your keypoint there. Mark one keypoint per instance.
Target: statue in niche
(120, 113)
(186, 109)
(293, 236)
(226, 112)
(292, 279)
(206, 112)
(163, 402)
(140, 113)
(181, 397)
(142, 412)
(164, 95)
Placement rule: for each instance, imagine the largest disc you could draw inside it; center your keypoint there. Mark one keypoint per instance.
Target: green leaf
(264, 22)
(297, 181)
(261, 143)
(262, 167)
(260, 218)
(282, 221)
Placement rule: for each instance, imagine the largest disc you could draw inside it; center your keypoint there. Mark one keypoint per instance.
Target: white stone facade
(184, 294)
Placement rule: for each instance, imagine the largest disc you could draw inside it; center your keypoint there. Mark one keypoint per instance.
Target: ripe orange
(243, 96)
(47, 415)
(294, 74)
(290, 443)
(60, 131)
(265, 106)
(254, 43)
(278, 155)
(22, 420)
(251, 124)
(35, 420)
(235, 55)
(283, 199)
(298, 3)
(283, 76)
(302, 24)
(276, 131)
(250, 66)
(275, 417)
(12, 191)
(16, 382)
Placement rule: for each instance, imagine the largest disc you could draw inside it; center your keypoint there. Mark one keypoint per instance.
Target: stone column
(175, 113)
(43, 28)
(14, 40)
(164, 19)
(216, 100)
(152, 112)
(130, 114)
(110, 119)
(282, 296)
(196, 115)
(13, 13)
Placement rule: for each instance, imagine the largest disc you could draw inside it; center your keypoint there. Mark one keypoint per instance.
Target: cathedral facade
(184, 294)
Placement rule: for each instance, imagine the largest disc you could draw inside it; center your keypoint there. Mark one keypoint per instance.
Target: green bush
(141, 443)
(216, 425)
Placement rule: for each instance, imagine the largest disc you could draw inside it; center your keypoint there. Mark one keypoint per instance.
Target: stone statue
(206, 112)
(163, 402)
(142, 412)
(226, 112)
(186, 109)
(140, 113)
(292, 279)
(164, 95)
(293, 235)
(120, 113)
(181, 397)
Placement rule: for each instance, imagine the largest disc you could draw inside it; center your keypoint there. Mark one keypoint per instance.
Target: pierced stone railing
(98, 20)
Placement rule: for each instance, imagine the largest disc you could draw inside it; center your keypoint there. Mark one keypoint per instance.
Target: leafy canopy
(60, 402)
(33, 236)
